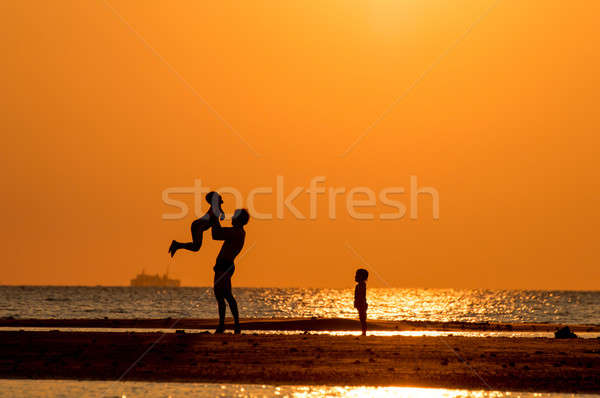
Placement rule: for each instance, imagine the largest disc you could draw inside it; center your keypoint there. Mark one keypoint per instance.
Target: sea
(132, 389)
(466, 305)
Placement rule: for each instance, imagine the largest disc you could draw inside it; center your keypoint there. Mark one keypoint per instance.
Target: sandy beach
(518, 364)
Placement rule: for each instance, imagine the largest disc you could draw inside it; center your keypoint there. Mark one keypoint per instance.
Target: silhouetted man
(233, 238)
(200, 225)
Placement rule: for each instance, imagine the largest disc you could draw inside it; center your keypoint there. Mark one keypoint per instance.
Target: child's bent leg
(195, 244)
(191, 246)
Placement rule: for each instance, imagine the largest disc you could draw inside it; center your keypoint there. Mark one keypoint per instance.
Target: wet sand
(293, 324)
(518, 364)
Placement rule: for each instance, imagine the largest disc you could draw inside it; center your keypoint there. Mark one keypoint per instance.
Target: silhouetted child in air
(360, 297)
(200, 225)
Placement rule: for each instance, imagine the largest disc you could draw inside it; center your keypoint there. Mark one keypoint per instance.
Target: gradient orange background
(95, 125)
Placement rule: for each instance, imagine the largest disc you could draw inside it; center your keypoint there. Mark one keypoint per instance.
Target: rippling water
(106, 389)
(394, 304)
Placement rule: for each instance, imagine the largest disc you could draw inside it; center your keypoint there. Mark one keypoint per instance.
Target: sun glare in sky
(493, 104)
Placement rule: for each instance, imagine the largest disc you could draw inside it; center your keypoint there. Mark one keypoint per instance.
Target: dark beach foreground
(518, 364)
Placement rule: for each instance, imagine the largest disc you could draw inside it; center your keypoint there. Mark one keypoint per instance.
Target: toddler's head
(361, 275)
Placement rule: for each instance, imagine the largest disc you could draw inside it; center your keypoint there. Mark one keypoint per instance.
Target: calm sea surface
(394, 304)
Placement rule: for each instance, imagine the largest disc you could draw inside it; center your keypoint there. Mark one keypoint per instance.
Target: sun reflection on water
(463, 305)
(384, 392)
(128, 389)
(441, 305)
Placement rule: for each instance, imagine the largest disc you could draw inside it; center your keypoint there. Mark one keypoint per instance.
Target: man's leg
(234, 311)
(232, 303)
(220, 296)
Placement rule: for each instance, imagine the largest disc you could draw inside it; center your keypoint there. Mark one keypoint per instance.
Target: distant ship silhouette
(144, 279)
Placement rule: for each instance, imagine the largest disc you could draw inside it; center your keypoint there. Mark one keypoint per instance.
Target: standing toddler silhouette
(360, 297)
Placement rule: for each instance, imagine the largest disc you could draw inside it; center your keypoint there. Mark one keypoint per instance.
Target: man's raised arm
(219, 232)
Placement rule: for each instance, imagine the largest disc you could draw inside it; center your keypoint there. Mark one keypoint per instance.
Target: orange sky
(504, 125)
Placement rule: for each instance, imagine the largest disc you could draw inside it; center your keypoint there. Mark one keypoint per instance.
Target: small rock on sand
(564, 333)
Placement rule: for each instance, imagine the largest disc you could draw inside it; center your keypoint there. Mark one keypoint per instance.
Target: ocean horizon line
(520, 289)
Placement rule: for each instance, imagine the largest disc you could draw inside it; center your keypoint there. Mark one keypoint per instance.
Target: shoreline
(497, 363)
(295, 324)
